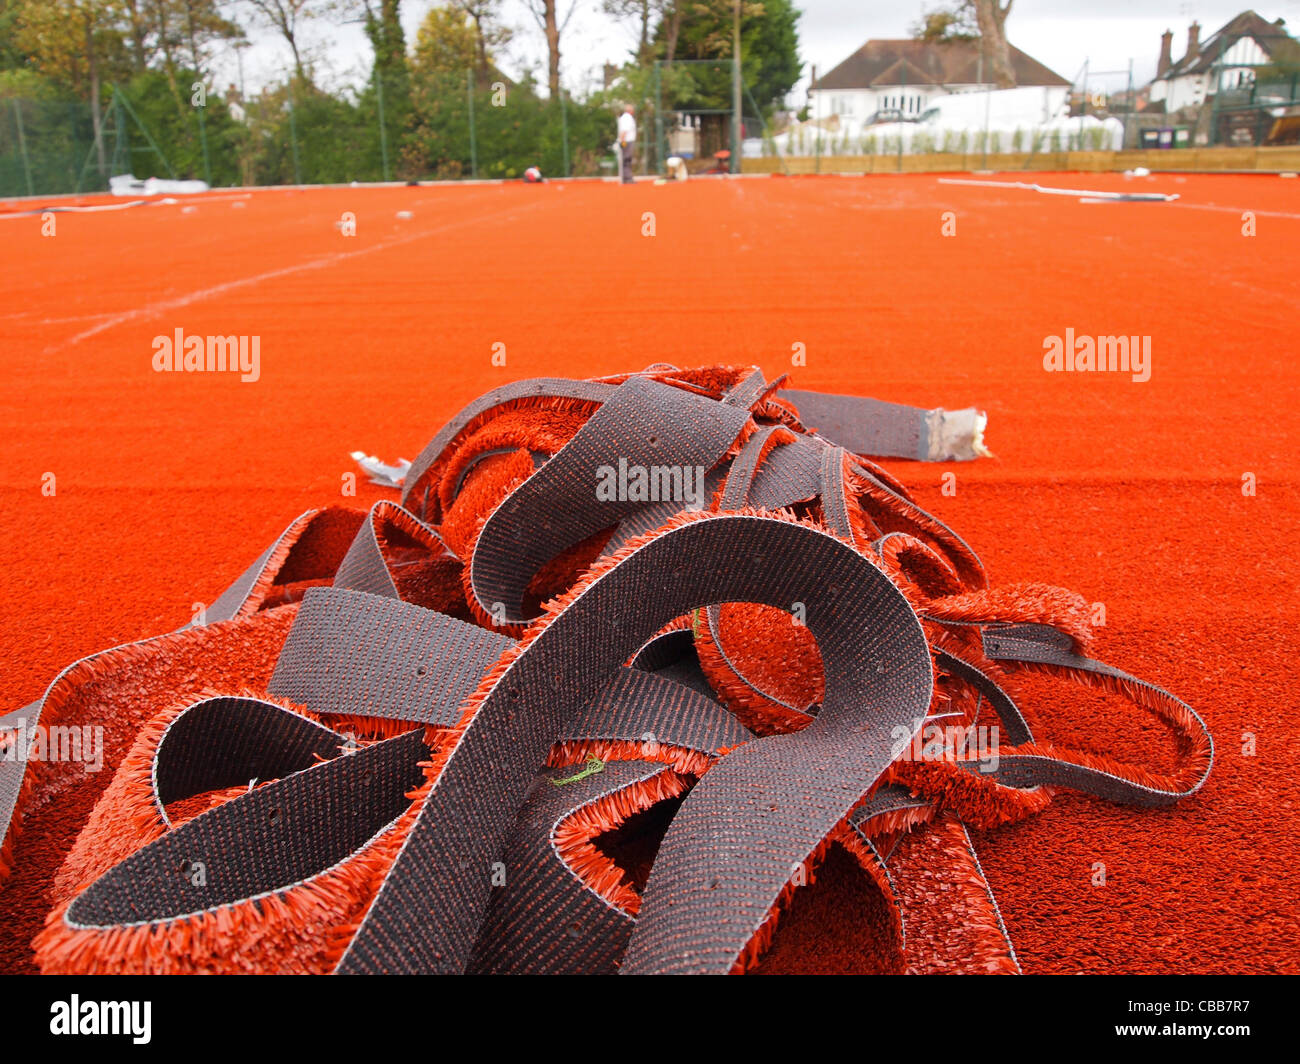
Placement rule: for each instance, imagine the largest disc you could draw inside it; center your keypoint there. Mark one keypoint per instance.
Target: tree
(671, 27)
(490, 33)
(138, 22)
(769, 46)
(167, 36)
(642, 14)
(973, 20)
(437, 142)
(991, 16)
(384, 105)
(548, 17)
(176, 132)
(180, 31)
(445, 43)
(203, 24)
(383, 24)
(77, 44)
(953, 23)
(287, 17)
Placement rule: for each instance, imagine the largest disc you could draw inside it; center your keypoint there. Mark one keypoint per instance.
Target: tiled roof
(911, 62)
(1269, 36)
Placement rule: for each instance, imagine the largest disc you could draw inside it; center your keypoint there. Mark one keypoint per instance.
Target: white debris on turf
(956, 435)
(389, 476)
(129, 185)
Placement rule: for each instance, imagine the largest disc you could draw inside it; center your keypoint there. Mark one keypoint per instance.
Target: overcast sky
(1060, 33)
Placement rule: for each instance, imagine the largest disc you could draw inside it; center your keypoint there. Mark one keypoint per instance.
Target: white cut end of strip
(390, 476)
(956, 435)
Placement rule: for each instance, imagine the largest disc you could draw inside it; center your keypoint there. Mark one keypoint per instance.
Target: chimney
(1166, 53)
(1193, 40)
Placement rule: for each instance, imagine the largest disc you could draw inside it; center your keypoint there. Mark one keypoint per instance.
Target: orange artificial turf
(168, 485)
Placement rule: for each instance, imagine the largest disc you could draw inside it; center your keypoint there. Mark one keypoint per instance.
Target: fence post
(94, 144)
(763, 124)
(737, 109)
(203, 140)
(22, 147)
(383, 126)
(659, 118)
(564, 130)
(1128, 114)
(817, 134)
(901, 99)
(473, 138)
(988, 101)
(121, 161)
(293, 141)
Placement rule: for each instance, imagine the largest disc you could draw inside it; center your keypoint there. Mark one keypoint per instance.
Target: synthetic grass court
(1131, 493)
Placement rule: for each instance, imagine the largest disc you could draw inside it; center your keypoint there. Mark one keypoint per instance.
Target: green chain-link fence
(436, 126)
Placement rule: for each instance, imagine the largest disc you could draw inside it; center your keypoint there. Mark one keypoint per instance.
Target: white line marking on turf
(1100, 197)
(151, 310)
(1120, 197)
(97, 208)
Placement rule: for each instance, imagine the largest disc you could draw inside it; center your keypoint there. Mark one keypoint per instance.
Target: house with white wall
(1226, 60)
(910, 75)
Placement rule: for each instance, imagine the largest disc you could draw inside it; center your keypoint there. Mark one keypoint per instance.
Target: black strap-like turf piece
(673, 656)
(1017, 728)
(416, 493)
(862, 426)
(13, 769)
(642, 707)
(229, 741)
(299, 826)
(784, 484)
(350, 652)
(780, 796)
(543, 918)
(226, 741)
(878, 677)
(1040, 644)
(874, 427)
(740, 836)
(797, 471)
(364, 568)
(644, 425)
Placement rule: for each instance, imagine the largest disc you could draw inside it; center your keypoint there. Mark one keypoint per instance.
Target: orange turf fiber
(168, 485)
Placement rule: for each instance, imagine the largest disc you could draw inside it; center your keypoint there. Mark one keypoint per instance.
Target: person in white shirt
(627, 141)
